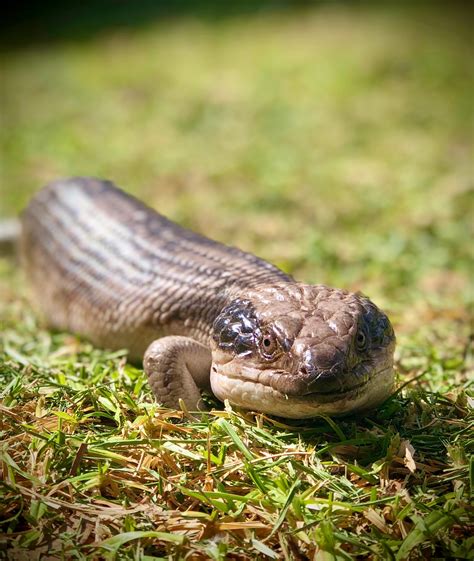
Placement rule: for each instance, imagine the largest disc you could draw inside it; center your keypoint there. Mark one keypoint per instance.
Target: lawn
(331, 138)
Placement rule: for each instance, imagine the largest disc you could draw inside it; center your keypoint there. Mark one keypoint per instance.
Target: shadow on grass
(30, 22)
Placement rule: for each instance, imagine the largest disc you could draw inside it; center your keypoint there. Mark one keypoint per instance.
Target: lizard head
(297, 351)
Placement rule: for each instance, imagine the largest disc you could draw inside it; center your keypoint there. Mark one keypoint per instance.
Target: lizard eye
(361, 341)
(268, 344)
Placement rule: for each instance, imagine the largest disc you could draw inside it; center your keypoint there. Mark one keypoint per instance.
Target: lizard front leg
(178, 368)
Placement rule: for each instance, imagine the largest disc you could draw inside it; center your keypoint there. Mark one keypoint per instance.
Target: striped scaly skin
(103, 265)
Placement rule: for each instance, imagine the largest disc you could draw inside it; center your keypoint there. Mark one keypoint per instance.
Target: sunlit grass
(90, 463)
(333, 141)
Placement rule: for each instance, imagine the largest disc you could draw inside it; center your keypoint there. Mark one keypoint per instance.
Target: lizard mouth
(250, 389)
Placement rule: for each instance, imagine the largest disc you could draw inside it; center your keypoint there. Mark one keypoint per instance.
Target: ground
(333, 139)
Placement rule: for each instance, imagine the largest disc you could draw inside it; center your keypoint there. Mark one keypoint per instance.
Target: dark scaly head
(296, 351)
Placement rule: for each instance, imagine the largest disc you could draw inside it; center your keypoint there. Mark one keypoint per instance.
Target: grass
(333, 140)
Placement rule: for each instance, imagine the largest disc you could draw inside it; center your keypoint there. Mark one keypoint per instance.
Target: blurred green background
(331, 138)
